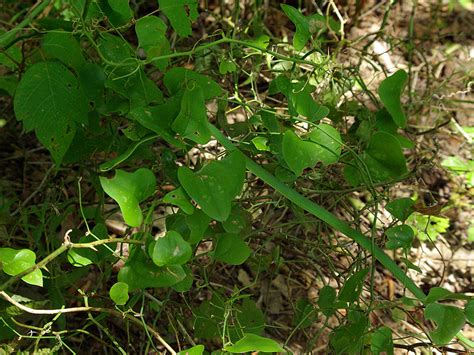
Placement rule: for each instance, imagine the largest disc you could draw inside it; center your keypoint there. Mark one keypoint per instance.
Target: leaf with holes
(181, 14)
(449, 321)
(14, 262)
(178, 197)
(129, 189)
(49, 101)
(390, 91)
(215, 185)
(171, 249)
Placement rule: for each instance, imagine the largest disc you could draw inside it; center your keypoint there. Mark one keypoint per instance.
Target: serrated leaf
(253, 342)
(49, 101)
(191, 121)
(231, 249)
(390, 91)
(399, 237)
(63, 46)
(181, 14)
(227, 66)
(119, 293)
(215, 185)
(151, 33)
(171, 249)
(129, 189)
(449, 321)
(14, 262)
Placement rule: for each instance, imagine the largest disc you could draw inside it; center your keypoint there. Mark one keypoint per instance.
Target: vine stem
(322, 214)
(113, 312)
(67, 244)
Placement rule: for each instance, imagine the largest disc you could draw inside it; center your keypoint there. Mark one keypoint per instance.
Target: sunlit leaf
(449, 321)
(16, 261)
(253, 342)
(119, 293)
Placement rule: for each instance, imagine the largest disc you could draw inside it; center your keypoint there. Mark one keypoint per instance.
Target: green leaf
(122, 9)
(326, 301)
(14, 262)
(401, 208)
(85, 256)
(253, 342)
(350, 338)
(151, 33)
(329, 143)
(159, 119)
(115, 49)
(191, 121)
(140, 272)
(261, 143)
(177, 79)
(195, 350)
(119, 293)
(306, 26)
(64, 47)
(438, 294)
(449, 321)
(171, 249)
(399, 237)
(305, 313)
(215, 185)
(227, 66)
(197, 223)
(353, 286)
(384, 157)
(238, 222)
(178, 197)
(129, 189)
(390, 91)
(231, 249)
(382, 341)
(299, 154)
(49, 101)
(469, 311)
(181, 14)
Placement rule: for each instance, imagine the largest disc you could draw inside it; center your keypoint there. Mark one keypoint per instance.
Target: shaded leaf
(181, 14)
(449, 321)
(178, 197)
(151, 33)
(399, 237)
(382, 341)
(63, 46)
(171, 249)
(231, 249)
(401, 208)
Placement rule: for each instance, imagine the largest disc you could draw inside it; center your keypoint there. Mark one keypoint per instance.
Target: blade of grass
(324, 215)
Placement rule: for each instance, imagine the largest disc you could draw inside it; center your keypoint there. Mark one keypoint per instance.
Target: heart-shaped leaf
(401, 208)
(140, 272)
(449, 321)
(151, 33)
(64, 47)
(119, 293)
(215, 185)
(253, 342)
(329, 143)
(231, 249)
(390, 91)
(129, 189)
(299, 154)
(399, 237)
(14, 262)
(171, 249)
